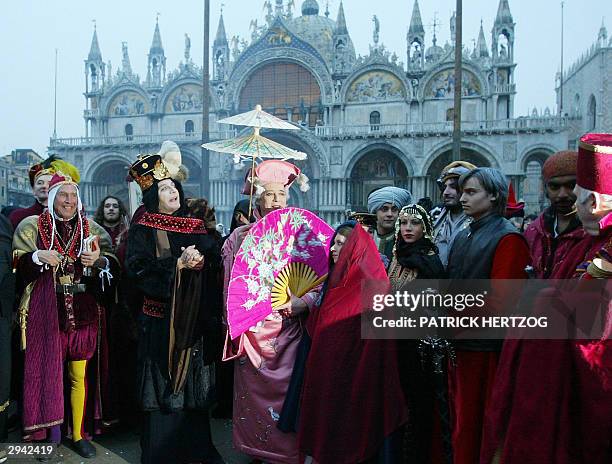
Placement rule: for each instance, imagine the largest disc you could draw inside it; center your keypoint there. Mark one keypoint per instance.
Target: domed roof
(318, 31)
(434, 53)
(310, 7)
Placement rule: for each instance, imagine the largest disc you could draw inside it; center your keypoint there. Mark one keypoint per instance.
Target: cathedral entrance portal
(377, 168)
(108, 179)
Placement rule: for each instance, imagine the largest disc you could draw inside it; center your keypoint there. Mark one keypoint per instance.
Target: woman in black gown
(175, 265)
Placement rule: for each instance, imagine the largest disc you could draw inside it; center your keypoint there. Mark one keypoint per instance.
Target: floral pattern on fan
(291, 242)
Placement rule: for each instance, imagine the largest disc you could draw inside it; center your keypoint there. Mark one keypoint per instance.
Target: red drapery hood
(352, 397)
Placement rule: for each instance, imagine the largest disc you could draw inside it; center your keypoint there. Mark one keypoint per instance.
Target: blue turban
(396, 196)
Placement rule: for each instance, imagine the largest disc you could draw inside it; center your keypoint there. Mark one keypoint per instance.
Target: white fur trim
(302, 180)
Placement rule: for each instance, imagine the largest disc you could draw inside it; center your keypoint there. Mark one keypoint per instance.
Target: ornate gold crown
(147, 169)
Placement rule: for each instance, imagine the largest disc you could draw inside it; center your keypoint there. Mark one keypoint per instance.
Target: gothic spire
(503, 13)
(126, 66)
(279, 8)
(94, 50)
(481, 46)
(603, 32)
(221, 38)
(341, 21)
(156, 44)
(416, 23)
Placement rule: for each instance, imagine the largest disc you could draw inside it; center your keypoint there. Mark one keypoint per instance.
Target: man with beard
(112, 215)
(452, 219)
(557, 230)
(118, 396)
(386, 203)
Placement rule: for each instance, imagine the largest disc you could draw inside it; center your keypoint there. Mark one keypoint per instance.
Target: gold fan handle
(314, 285)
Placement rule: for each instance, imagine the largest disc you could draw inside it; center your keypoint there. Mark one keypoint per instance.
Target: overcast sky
(31, 30)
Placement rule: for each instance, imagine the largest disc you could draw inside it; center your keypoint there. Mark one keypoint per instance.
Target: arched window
(592, 114)
(287, 90)
(129, 132)
(375, 121)
(189, 127)
(576, 105)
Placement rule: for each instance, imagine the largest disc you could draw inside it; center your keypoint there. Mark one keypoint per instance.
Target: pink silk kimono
(264, 357)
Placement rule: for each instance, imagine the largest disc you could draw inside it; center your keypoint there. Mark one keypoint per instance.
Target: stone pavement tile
(123, 446)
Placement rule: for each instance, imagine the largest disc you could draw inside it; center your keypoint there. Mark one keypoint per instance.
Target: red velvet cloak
(351, 398)
(552, 400)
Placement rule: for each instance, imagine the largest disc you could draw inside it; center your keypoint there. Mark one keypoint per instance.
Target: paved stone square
(122, 446)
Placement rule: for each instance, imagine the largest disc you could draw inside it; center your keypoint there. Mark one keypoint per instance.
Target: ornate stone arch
(373, 166)
(367, 147)
(538, 152)
(382, 67)
(242, 72)
(107, 176)
(104, 159)
(316, 163)
(128, 87)
(193, 162)
(168, 90)
(478, 147)
(433, 72)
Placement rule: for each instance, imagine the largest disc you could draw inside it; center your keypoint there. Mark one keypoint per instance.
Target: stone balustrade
(521, 124)
(129, 140)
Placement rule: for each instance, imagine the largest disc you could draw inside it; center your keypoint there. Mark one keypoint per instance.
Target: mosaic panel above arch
(376, 86)
(442, 85)
(185, 99)
(128, 103)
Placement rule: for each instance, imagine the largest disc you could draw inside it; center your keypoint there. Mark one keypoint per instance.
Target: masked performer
(174, 263)
(60, 318)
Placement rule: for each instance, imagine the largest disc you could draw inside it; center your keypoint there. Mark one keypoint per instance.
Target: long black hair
(99, 216)
(241, 207)
(150, 198)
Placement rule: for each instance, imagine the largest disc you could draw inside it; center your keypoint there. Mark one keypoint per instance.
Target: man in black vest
(489, 248)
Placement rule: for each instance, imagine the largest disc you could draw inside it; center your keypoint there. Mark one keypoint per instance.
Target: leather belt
(70, 289)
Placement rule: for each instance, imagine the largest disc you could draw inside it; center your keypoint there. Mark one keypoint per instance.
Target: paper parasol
(254, 146)
(288, 248)
(258, 118)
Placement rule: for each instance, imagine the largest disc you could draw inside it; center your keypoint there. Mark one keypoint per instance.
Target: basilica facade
(365, 121)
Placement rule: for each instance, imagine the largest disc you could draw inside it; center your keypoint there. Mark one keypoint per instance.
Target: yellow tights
(76, 372)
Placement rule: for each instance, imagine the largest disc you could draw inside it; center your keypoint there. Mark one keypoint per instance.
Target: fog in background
(31, 30)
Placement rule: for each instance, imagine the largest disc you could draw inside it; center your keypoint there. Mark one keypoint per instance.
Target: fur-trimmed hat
(275, 172)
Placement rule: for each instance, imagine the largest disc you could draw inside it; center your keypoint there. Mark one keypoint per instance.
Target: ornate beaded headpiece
(418, 212)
